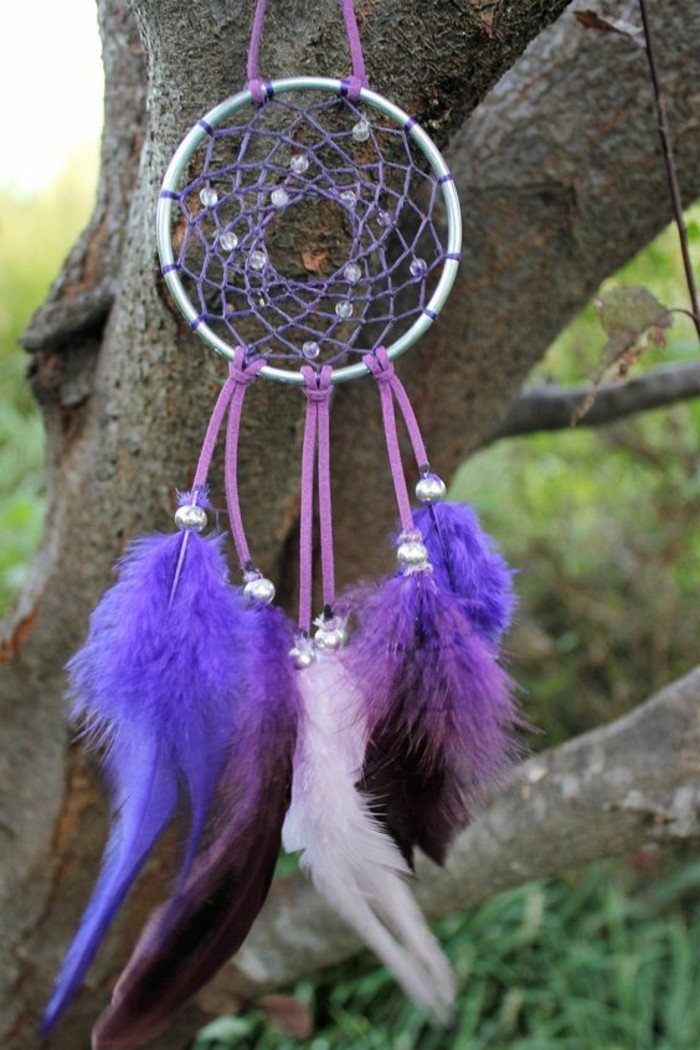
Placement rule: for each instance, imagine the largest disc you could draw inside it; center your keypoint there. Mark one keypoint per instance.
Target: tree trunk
(560, 180)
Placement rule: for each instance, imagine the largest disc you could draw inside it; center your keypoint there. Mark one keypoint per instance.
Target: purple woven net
(311, 232)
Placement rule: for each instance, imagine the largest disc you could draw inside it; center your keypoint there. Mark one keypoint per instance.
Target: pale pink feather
(353, 864)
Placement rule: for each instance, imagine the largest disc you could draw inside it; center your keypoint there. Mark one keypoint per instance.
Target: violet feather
(156, 684)
(466, 562)
(202, 926)
(440, 713)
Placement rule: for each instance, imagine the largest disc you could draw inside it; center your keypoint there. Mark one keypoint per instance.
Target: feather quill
(201, 927)
(440, 713)
(351, 861)
(155, 684)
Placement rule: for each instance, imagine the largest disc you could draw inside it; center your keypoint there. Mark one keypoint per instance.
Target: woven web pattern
(311, 232)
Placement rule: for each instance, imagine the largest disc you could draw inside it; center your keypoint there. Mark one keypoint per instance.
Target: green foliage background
(36, 232)
(603, 525)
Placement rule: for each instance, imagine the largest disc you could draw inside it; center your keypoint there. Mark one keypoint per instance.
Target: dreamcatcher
(375, 729)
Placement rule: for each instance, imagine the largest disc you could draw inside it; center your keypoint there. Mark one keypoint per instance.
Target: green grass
(604, 960)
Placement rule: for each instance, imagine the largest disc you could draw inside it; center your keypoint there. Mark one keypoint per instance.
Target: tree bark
(560, 182)
(551, 407)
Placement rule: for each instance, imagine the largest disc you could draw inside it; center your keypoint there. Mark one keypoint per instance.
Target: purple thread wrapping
(395, 222)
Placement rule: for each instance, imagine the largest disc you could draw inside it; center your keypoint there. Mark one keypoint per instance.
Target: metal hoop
(199, 133)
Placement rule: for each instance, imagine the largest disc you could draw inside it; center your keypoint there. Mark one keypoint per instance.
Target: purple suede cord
(240, 377)
(383, 372)
(255, 84)
(210, 438)
(199, 483)
(358, 79)
(318, 392)
(406, 409)
(324, 491)
(306, 510)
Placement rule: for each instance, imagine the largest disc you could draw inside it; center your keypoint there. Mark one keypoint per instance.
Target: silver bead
(190, 518)
(259, 591)
(412, 555)
(352, 273)
(330, 639)
(344, 309)
(430, 489)
(302, 655)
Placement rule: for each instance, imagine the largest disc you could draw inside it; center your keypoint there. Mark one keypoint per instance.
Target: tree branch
(553, 407)
(625, 786)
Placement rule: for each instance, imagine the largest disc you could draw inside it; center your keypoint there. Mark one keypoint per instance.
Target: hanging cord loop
(241, 375)
(391, 390)
(199, 483)
(317, 389)
(262, 90)
(197, 496)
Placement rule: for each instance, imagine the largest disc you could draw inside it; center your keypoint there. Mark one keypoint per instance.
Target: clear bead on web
(351, 266)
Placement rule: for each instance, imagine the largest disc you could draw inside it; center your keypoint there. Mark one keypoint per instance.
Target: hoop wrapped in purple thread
(377, 192)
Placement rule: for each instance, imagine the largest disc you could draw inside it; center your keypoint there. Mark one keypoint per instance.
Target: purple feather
(156, 683)
(441, 718)
(465, 562)
(195, 933)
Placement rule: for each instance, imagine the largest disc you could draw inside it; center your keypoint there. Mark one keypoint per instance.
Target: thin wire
(670, 164)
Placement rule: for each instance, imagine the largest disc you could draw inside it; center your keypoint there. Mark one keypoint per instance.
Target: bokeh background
(604, 525)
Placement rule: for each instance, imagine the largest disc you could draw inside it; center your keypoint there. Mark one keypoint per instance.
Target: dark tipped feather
(440, 713)
(195, 933)
(403, 788)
